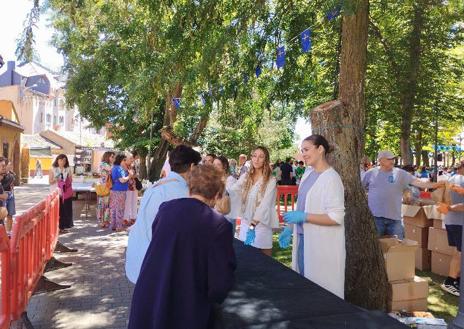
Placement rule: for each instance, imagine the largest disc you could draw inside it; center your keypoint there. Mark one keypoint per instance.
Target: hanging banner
(306, 40)
(280, 61)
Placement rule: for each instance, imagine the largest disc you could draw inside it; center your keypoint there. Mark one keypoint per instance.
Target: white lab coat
(324, 246)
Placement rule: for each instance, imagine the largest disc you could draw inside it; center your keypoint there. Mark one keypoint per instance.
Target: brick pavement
(100, 295)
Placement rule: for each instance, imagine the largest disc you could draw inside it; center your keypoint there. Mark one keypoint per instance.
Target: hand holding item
(439, 184)
(458, 189)
(295, 217)
(443, 208)
(250, 237)
(285, 237)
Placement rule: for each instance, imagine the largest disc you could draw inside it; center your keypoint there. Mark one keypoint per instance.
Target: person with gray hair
(385, 185)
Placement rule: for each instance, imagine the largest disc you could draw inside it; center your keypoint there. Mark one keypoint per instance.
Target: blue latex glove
(250, 237)
(295, 217)
(285, 237)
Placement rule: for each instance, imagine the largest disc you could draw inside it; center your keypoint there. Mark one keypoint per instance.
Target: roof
(33, 69)
(9, 123)
(85, 139)
(38, 142)
(8, 111)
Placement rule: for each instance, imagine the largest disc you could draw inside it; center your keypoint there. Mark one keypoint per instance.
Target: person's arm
(418, 183)
(267, 204)
(51, 176)
(123, 179)
(237, 186)
(458, 207)
(334, 205)
(221, 264)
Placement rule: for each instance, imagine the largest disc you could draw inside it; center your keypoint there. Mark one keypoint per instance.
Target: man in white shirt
(174, 186)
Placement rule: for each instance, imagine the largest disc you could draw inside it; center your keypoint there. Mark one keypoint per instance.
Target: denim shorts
(387, 226)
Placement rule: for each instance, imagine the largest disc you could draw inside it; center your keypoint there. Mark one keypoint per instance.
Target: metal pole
(458, 322)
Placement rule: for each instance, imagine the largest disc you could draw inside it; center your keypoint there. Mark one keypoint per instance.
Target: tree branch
(388, 50)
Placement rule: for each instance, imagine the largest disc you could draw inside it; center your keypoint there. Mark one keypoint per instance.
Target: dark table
(269, 295)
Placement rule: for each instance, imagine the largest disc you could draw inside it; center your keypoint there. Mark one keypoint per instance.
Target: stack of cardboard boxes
(425, 225)
(407, 291)
(416, 227)
(441, 251)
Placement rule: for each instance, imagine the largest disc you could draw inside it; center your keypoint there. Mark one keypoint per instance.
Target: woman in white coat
(319, 232)
(258, 213)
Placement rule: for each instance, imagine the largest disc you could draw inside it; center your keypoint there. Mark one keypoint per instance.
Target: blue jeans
(300, 253)
(386, 226)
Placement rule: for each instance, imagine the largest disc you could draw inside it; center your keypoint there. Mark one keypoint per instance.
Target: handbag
(104, 189)
(66, 188)
(138, 184)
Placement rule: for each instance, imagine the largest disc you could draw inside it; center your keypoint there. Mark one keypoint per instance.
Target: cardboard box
(431, 212)
(438, 224)
(399, 258)
(440, 263)
(408, 305)
(416, 233)
(418, 288)
(415, 215)
(438, 242)
(423, 259)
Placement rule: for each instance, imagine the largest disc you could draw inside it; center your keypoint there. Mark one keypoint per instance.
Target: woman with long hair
(120, 177)
(61, 176)
(103, 202)
(258, 213)
(318, 231)
(230, 197)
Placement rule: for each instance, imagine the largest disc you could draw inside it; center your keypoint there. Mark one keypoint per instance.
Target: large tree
(342, 122)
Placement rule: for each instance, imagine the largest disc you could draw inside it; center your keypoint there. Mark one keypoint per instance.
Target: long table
(269, 295)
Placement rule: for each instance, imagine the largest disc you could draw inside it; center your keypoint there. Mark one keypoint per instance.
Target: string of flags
(445, 148)
(305, 43)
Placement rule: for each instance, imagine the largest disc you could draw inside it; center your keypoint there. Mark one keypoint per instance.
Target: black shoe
(450, 288)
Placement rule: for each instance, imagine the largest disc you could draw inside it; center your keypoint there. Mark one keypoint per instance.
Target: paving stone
(100, 295)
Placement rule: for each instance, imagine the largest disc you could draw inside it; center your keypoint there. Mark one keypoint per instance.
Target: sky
(11, 26)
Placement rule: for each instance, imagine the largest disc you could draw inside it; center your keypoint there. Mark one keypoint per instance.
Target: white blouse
(259, 206)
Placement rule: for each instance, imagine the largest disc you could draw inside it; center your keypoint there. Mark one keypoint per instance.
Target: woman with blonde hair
(258, 212)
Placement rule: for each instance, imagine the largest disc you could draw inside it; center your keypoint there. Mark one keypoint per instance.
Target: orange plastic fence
(32, 243)
(283, 191)
(5, 282)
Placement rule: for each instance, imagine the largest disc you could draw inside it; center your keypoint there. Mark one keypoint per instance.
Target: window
(55, 120)
(6, 147)
(49, 118)
(41, 117)
(61, 119)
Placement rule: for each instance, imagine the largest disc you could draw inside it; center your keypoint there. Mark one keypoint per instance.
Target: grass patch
(441, 304)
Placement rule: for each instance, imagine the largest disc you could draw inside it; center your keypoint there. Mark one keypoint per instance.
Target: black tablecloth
(269, 295)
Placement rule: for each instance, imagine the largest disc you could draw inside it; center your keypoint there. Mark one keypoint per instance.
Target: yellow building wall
(10, 136)
(46, 162)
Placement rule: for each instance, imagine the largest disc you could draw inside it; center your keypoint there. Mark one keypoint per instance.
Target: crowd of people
(176, 225)
(181, 234)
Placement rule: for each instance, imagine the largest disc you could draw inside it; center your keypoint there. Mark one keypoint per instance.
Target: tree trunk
(157, 162)
(342, 123)
(425, 158)
(409, 85)
(143, 167)
(418, 148)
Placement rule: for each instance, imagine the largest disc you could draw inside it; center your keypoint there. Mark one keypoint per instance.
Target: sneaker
(450, 288)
